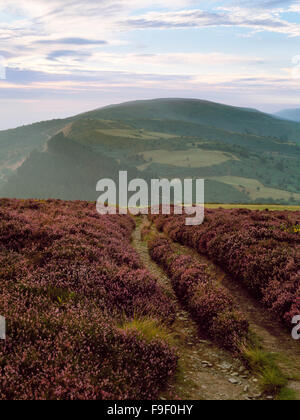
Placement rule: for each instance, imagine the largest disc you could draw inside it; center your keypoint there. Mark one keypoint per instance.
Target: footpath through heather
(206, 372)
(273, 337)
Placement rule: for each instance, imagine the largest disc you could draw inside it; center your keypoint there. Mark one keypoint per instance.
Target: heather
(70, 282)
(260, 249)
(209, 305)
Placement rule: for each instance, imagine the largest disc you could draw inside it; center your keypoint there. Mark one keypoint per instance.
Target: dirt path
(274, 338)
(206, 372)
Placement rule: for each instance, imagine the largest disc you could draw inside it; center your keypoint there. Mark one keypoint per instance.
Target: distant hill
(66, 170)
(290, 114)
(17, 144)
(244, 155)
(241, 120)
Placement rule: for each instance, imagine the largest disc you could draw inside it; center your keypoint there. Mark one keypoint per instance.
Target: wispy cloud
(106, 48)
(223, 17)
(38, 30)
(72, 41)
(75, 55)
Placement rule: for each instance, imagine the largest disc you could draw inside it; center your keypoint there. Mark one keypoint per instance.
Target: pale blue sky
(67, 56)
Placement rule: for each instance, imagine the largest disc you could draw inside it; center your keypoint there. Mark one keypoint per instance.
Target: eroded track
(206, 371)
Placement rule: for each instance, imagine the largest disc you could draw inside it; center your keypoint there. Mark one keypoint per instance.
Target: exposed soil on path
(206, 371)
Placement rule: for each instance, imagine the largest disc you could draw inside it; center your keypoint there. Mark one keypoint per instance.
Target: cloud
(226, 17)
(264, 4)
(72, 41)
(46, 35)
(5, 53)
(74, 62)
(67, 53)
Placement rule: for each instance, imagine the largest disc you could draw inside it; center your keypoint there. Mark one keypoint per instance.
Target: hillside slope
(17, 144)
(241, 120)
(290, 114)
(66, 170)
(153, 139)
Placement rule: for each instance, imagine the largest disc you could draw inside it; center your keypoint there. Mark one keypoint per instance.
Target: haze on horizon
(65, 57)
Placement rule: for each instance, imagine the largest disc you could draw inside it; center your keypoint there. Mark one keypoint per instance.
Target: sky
(62, 57)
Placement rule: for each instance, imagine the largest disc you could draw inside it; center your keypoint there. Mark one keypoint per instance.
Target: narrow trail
(272, 335)
(206, 371)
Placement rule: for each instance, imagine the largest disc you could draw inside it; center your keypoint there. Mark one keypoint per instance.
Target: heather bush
(260, 249)
(68, 278)
(229, 328)
(209, 305)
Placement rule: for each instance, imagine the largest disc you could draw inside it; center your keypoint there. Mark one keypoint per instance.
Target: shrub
(68, 277)
(209, 305)
(260, 249)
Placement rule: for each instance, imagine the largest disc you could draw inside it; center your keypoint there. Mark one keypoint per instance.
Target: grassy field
(136, 134)
(191, 158)
(255, 188)
(272, 207)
